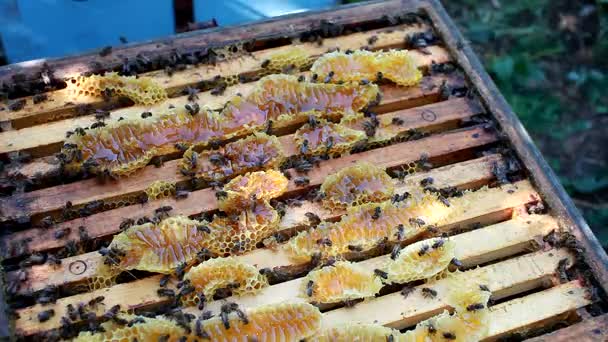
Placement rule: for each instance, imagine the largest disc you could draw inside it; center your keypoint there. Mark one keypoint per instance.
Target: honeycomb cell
(286, 62)
(420, 260)
(356, 185)
(261, 186)
(140, 90)
(340, 282)
(396, 65)
(356, 332)
(256, 152)
(160, 247)
(326, 137)
(221, 273)
(125, 146)
(230, 235)
(150, 329)
(367, 225)
(278, 322)
(160, 189)
(282, 98)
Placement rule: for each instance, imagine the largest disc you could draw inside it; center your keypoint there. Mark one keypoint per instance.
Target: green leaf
(503, 67)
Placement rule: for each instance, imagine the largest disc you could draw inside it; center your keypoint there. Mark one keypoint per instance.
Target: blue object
(33, 29)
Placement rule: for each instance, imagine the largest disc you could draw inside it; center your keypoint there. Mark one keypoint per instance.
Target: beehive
(451, 156)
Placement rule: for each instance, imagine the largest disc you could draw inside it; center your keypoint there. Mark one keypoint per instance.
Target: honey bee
(428, 292)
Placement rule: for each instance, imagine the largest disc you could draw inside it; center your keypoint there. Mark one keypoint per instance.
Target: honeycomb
(327, 137)
(256, 152)
(128, 145)
(219, 273)
(285, 62)
(420, 260)
(464, 325)
(277, 322)
(160, 247)
(260, 186)
(238, 235)
(151, 329)
(282, 98)
(140, 90)
(367, 225)
(395, 65)
(356, 332)
(340, 282)
(355, 185)
(160, 189)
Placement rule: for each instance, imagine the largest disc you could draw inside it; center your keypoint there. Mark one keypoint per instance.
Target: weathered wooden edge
(591, 329)
(278, 27)
(538, 170)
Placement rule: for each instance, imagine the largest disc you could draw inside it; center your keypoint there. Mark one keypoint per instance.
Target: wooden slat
(537, 309)
(45, 138)
(139, 294)
(590, 330)
(59, 103)
(498, 242)
(511, 276)
(470, 174)
(50, 199)
(84, 266)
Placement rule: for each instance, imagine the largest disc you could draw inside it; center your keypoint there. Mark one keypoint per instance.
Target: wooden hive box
(456, 128)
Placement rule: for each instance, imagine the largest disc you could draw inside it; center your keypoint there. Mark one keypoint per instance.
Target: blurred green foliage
(549, 59)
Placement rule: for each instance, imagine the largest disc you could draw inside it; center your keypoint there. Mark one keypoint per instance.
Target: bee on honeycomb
(261, 186)
(256, 152)
(369, 225)
(396, 65)
(276, 322)
(220, 273)
(326, 137)
(342, 281)
(356, 332)
(420, 260)
(282, 98)
(356, 185)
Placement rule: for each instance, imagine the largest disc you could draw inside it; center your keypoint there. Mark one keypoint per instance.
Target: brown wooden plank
(142, 293)
(283, 26)
(60, 105)
(590, 330)
(52, 199)
(496, 202)
(34, 139)
(470, 174)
